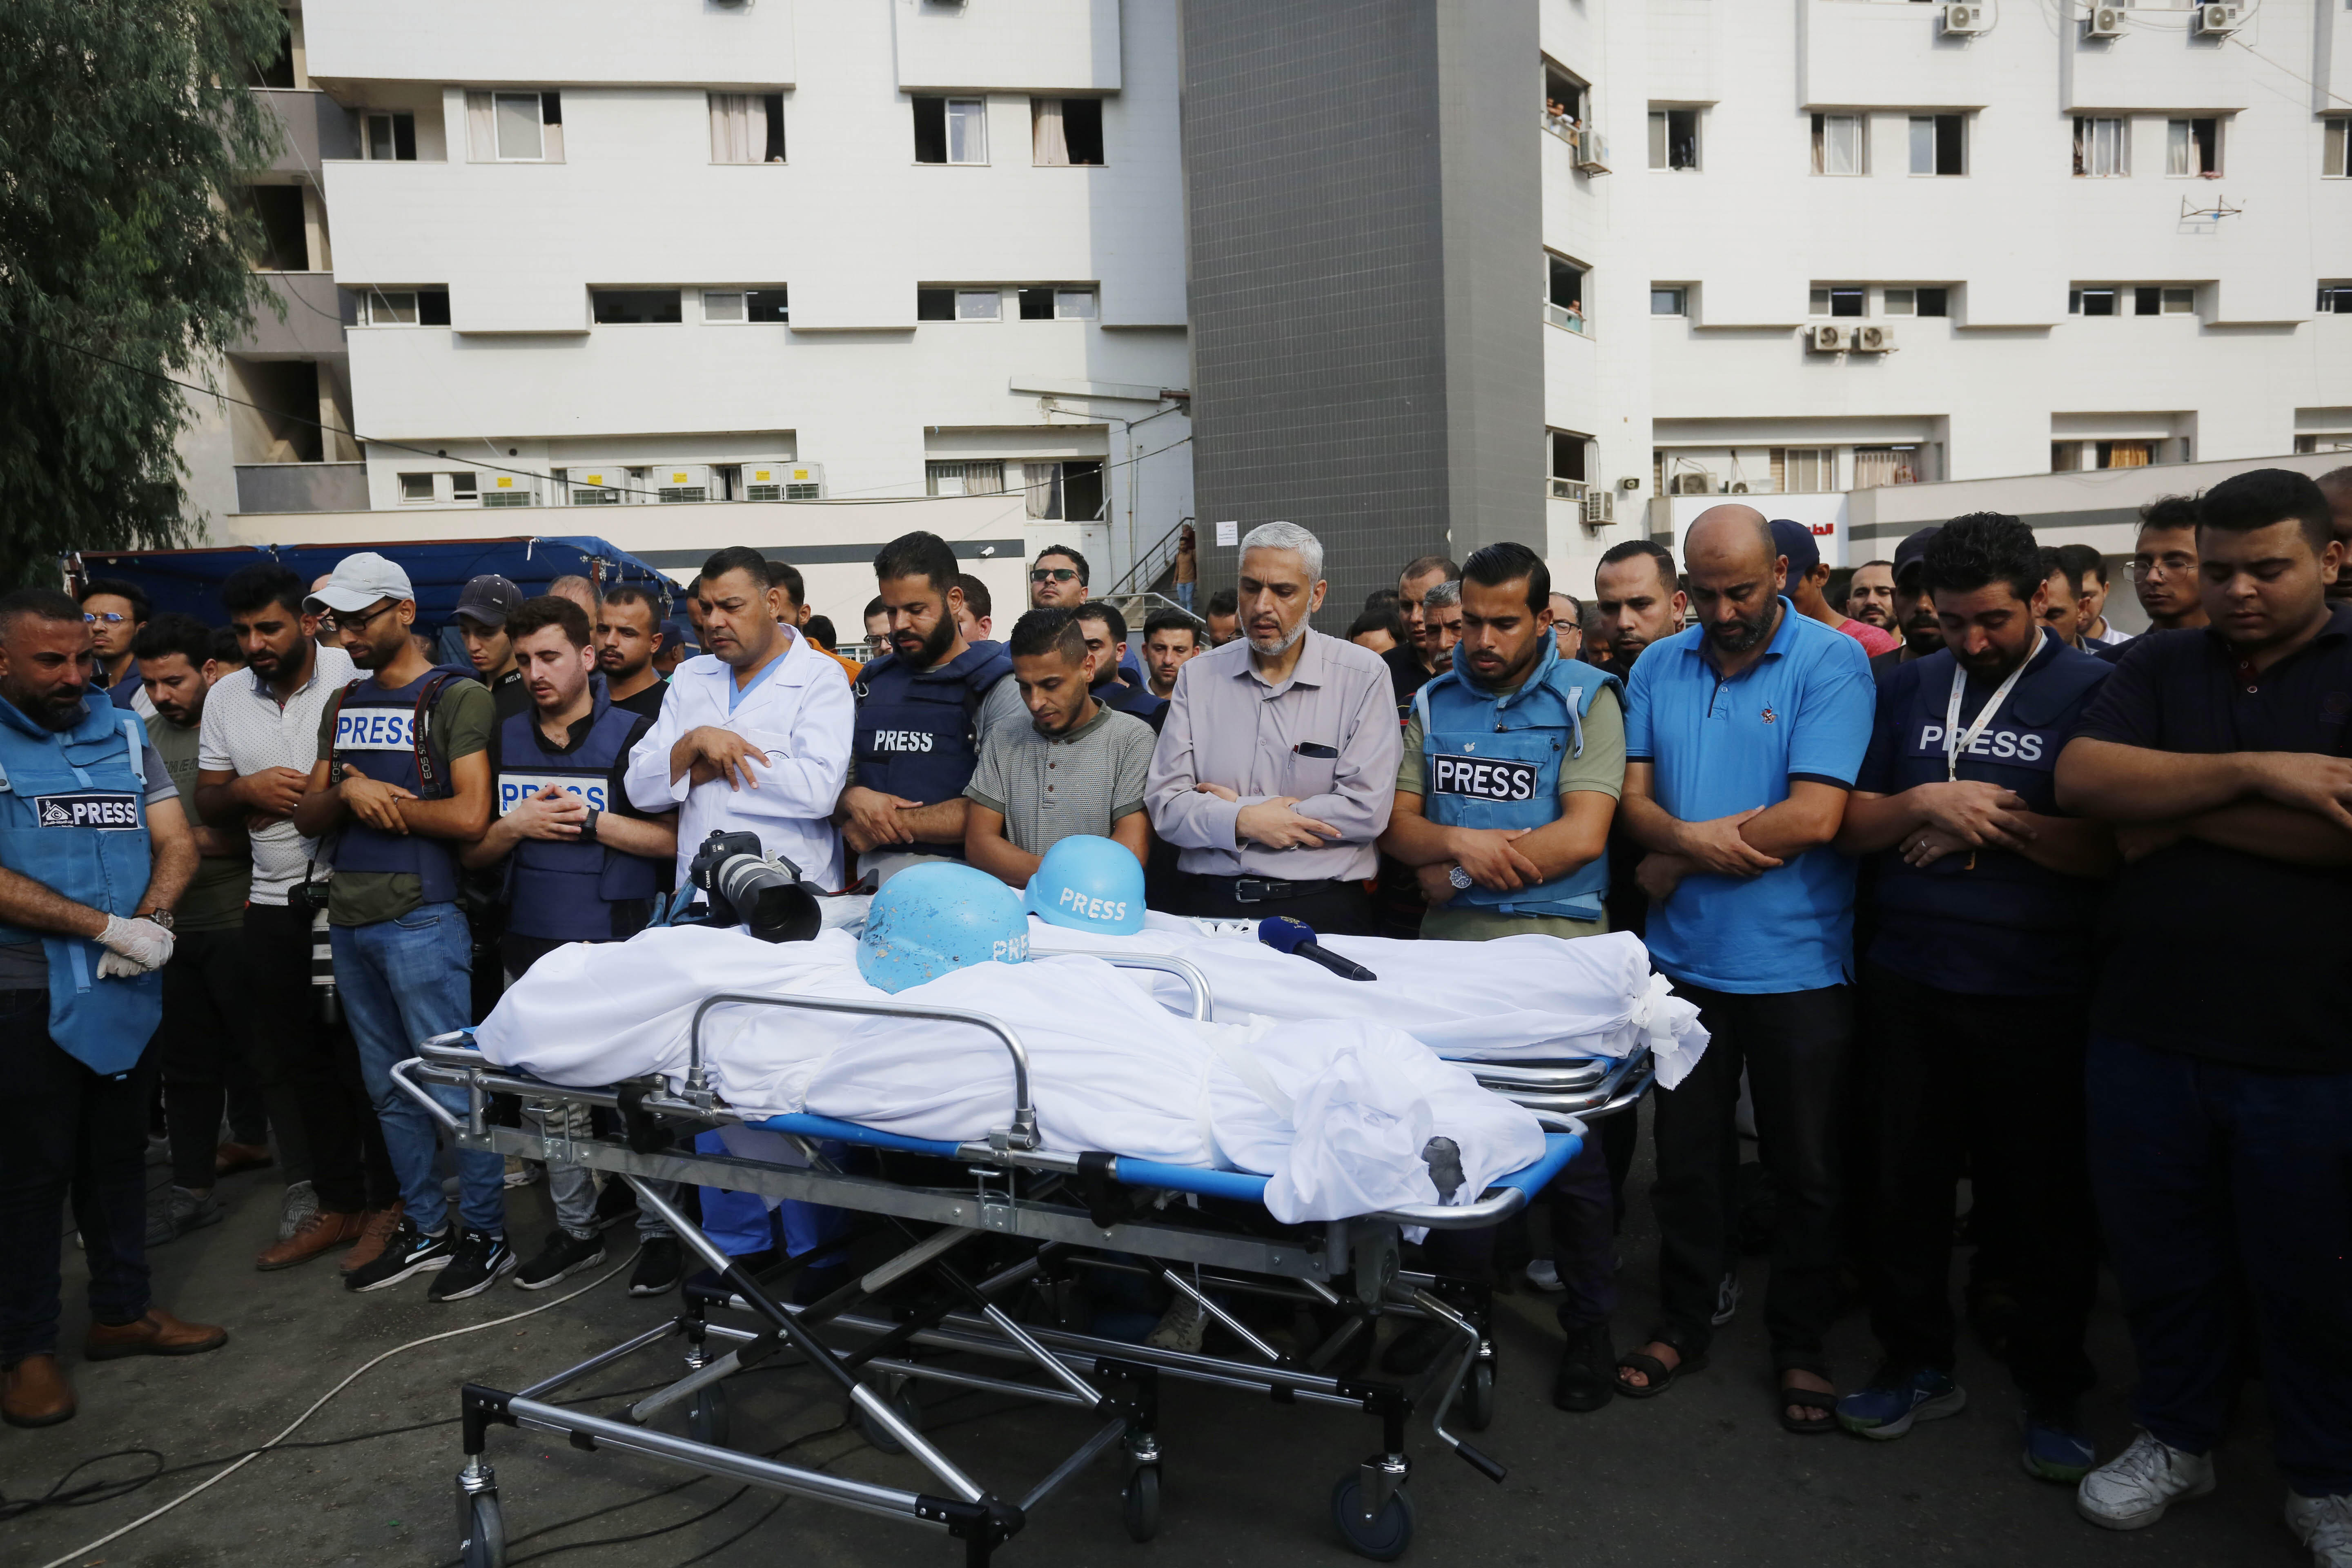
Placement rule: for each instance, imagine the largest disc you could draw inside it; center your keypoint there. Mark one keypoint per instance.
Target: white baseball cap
(359, 581)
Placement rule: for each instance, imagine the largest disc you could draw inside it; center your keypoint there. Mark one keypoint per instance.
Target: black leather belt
(1265, 890)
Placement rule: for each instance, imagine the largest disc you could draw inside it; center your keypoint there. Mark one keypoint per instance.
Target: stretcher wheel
(903, 1399)
(484, 1544)
(1138, 1503)
(706, 1418)
(1478, 1396)
(1384, 1538)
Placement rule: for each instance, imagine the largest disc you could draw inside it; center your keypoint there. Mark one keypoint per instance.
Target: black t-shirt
(1406, 676)
(511, 693)
(2211, 951)
(647, 703)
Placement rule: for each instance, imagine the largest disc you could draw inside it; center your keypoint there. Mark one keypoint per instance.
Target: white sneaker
(1544, 1275)
(2324, 1525)
(1181, 1327)
(2132, 1491)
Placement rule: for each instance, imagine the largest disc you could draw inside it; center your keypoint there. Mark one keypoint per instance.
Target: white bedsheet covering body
(1335, 1111)
(1516, 998)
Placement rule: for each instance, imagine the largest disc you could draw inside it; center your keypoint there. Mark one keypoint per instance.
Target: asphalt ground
(1701, 1476)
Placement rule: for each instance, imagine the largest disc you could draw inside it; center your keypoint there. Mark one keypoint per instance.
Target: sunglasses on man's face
(1053, 574)
(91, 618)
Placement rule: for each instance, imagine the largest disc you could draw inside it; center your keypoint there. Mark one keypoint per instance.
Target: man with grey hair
(1441, 626)
(1277, 762)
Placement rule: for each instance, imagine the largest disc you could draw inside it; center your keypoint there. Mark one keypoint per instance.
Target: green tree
(126, 130)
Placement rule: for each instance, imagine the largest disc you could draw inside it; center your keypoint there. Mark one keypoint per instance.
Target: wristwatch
(161, 917)
(588, 828)
(1458, 877)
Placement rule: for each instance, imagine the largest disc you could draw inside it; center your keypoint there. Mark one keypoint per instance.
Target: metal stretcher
(1202, 1233)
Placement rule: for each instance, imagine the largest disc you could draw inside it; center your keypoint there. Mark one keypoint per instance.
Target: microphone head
(1284, 934)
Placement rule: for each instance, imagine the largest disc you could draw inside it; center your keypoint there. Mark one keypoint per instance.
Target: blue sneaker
(2055, 1449)
(1895, 1399)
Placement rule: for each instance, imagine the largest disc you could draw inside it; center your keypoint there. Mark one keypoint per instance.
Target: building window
(2160, 301)
(746, 305)
(2091, 302)
(2192, 148)
(2324, 441)
(980, 304)
(1843, 301)
(1564, 296)
(1047, 302)
(522, 119)
(635, 307)
(1063, 492)
(2071, 457)
(2336, 299)
(2336, 159)
(284, 233)
(951, 131)
(1064, 133)
(1564, 102)
(404, 307)
(1673, 139)
(461, 487)
(1669, 301)
(1570, 464)
(1804, 470)
(415, 488)
(747, 126)
(1938, 143)
(386, 136)
(1841, 145)
(2102, 148)
(1877, 466)
(979, 479)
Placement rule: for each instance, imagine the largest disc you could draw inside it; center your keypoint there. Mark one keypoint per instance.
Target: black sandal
(1822, 1402)
(1661, 1376)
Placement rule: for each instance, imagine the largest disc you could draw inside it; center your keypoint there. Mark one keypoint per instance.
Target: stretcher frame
(1075, 1207)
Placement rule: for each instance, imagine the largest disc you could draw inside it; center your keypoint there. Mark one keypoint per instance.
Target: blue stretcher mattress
(1559, 1148)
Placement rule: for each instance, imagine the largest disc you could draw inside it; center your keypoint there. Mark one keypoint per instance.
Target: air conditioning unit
(784, 481)
(2220, 18)
(2106, 22)
(1829, 339)
(1592, 152)
(1967, 19)
(1600, 507)
(506, 492)
(598, 487)
(1695, 482)
(679, 483)
(1872, 340)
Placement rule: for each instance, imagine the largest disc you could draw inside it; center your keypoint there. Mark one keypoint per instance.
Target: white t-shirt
(245, 731)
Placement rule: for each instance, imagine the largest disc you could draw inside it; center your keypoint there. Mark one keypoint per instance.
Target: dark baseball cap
(1795, 540)
(489, 600)
(1914, 549)
(678, 634)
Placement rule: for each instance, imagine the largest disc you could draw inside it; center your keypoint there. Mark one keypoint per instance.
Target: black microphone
(1284, 934)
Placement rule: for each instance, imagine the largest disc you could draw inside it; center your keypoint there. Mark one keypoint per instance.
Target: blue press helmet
(1088, 883)
(935, 919)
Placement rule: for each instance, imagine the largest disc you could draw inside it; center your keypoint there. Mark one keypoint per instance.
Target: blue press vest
(2021, 916)
(376, 729)
(73, 816)
(565, 892)
(916, 733)
(1494, 761)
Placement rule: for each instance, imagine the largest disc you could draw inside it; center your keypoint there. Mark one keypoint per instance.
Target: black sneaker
(563, 1254)
(660, 1263)
(410, 1251)
(617, 1201)
(476, 1265)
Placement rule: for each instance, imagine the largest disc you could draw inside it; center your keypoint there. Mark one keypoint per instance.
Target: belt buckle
(1250, 889)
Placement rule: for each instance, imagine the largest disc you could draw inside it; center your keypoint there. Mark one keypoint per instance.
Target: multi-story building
(1426, 272)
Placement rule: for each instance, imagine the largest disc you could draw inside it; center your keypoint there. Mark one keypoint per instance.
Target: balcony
(312, 328)
(301, 486)
(316, 127)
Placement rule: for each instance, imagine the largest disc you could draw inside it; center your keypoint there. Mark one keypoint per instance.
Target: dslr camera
(744, 887)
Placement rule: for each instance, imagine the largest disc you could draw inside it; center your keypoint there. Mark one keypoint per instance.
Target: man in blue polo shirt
(1742, 736)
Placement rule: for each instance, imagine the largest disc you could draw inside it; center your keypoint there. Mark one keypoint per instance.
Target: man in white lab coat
(755, 734)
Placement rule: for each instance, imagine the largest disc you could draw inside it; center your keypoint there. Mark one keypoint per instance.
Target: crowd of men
(1964, 882)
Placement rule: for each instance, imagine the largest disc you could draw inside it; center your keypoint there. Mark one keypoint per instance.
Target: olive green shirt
(464, 716)
(1600, 768)
(215, 900)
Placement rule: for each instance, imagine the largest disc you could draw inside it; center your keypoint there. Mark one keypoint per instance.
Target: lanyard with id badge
(1955, 740)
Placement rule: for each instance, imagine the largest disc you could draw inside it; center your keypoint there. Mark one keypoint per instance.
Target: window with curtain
(2336, 155)
(2102, 147)
(1877, 466)
(514, 127)
(1673, 139)
(1838, 145)
(2193, 148)
(1043, 481)
(1065, 132)
(964, 479)
(1804, 470)
(747, 128)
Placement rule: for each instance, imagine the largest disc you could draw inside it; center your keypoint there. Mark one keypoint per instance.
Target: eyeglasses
(355, 621)
(2140, 571)
(1053, 574)
(91, 618)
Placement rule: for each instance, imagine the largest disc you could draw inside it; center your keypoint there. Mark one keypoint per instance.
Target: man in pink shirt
(1809, 576)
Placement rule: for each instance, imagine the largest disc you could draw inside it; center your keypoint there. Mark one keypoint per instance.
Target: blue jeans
(404, 981)
(2190, 1161)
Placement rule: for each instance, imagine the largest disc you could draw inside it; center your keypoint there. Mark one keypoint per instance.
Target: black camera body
(744, 887)
(309, 897)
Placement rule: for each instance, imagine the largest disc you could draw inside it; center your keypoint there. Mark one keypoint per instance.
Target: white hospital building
(1420, 274)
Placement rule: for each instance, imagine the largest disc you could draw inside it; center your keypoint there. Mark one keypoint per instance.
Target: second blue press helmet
(936, 918)
(1088, 883)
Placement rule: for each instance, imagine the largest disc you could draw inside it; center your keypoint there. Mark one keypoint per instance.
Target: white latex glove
(143, 941)
(113, 966)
